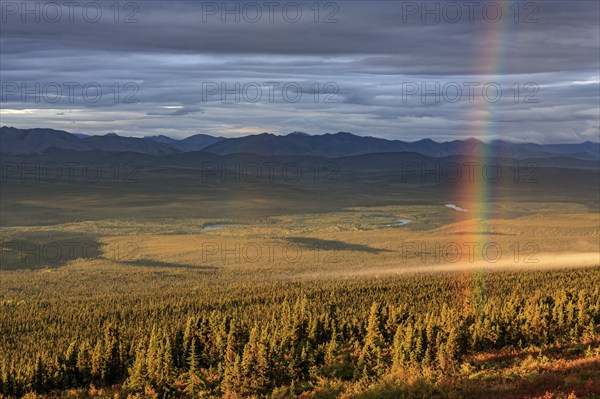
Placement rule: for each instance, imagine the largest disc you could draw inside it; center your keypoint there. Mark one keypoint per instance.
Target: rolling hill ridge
(16, 141)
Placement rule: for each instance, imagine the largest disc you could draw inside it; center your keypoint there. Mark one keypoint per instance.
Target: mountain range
(14, 141)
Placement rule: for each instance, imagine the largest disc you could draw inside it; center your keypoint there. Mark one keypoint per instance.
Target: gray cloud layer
(187, 67)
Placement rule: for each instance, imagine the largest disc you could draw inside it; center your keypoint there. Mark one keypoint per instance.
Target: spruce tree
(370, 362)
(39, 376)
(138, 373)
(71, 371)
(97, 365)
(84, 363)
(111, 370)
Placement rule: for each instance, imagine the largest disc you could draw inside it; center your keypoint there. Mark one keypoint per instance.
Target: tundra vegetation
(328, 301)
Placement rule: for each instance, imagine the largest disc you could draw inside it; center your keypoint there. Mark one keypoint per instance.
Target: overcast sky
(393, 69)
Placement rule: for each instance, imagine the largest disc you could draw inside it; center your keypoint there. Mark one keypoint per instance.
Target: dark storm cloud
(346, 67)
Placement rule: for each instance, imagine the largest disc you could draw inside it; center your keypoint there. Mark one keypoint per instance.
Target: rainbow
(477, 196)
